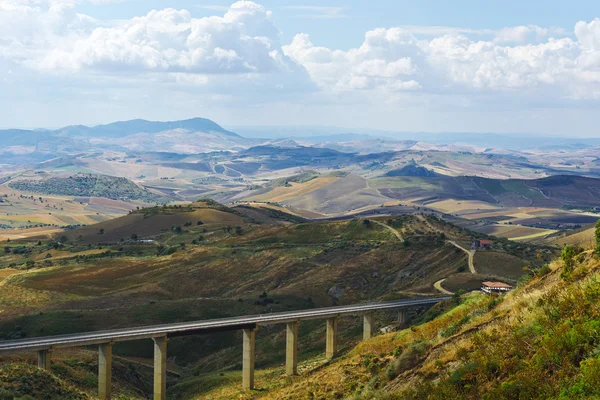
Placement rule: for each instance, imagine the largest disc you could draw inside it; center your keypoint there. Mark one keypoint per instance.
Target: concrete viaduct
(160, 335)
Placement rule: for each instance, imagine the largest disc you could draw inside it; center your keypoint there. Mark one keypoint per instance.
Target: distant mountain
(191, 136)
(123, 128)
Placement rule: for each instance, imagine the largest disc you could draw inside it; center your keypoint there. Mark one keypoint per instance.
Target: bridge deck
(207, 326)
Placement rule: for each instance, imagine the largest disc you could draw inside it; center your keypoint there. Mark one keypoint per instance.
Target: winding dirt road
(438, 286)
(389, 228)
(470, 253)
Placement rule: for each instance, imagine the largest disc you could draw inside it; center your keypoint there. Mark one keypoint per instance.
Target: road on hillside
(389, 228)
(471, 255)
(438, 286)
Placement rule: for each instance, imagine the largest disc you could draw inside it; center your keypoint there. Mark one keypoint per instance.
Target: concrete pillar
(160, 368)
(291, 349)
(402, 316)
(43, 359)
(104, 371)
(368, 326)
(248, 359)
(331, 346)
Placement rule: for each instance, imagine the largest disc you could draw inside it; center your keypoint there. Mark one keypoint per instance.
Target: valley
(140, 223)
(205, 260)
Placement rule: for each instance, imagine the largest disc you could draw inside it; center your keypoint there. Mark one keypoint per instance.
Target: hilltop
(87, 185)
(186, 136)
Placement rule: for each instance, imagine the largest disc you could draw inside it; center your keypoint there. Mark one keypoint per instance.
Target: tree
(101, 231)
(597, 235)
(134, 236)
(568, 256)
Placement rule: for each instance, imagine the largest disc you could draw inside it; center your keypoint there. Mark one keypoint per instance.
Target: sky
(428, 66)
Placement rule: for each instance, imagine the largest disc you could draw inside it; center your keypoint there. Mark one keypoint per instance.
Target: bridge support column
(291, 350)
(368, 325)
(160, 368)
(104, 370)
(402, 316)
(248, 358)
(43, 359)
(331, 344)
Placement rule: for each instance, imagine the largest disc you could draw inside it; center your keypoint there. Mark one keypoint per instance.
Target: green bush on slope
(555, 355)
(29, 382)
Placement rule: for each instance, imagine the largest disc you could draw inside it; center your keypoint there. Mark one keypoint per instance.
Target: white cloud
(244, 40)
(517, 58)
(385, 61)
(237, 57)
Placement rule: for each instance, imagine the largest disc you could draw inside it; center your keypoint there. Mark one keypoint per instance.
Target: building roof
(497, 285)
(485, 242)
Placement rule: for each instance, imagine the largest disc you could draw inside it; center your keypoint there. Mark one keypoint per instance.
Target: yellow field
(18, 212)
(461, 206)
(583, 238)
(514, 232)
(532, 236)
(295, 190)
(14, 234)
(6, 272)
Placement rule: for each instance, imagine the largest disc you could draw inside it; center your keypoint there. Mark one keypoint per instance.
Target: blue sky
(358, 16)
(464, 66)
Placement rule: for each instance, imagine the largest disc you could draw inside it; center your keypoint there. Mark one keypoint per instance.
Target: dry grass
(6, 272)
(514, 232)
(283, 193)
(583, 238)
(350, 372)
(461, 206)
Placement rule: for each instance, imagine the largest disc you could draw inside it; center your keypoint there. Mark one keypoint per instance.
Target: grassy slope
(223, 275)
(73, 375)
(335, 196)
(539, 342)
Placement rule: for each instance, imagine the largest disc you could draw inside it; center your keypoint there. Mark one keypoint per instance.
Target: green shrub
(597, 235)
(408, 359)
(543, 270)
(90, 380)
(6, 394)
(464, 375)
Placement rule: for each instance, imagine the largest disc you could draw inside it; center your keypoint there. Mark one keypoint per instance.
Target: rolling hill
(83, 185)
(339, 193)
(535, 343)
(179, 263)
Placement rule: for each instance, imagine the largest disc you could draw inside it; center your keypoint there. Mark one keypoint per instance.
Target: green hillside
(109, 187)
(182, 263)
(176, 263)
(538, 342)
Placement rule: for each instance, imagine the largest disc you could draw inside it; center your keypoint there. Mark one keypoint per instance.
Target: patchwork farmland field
(513, 232)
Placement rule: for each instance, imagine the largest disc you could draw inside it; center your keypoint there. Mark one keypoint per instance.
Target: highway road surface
(207, 326)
